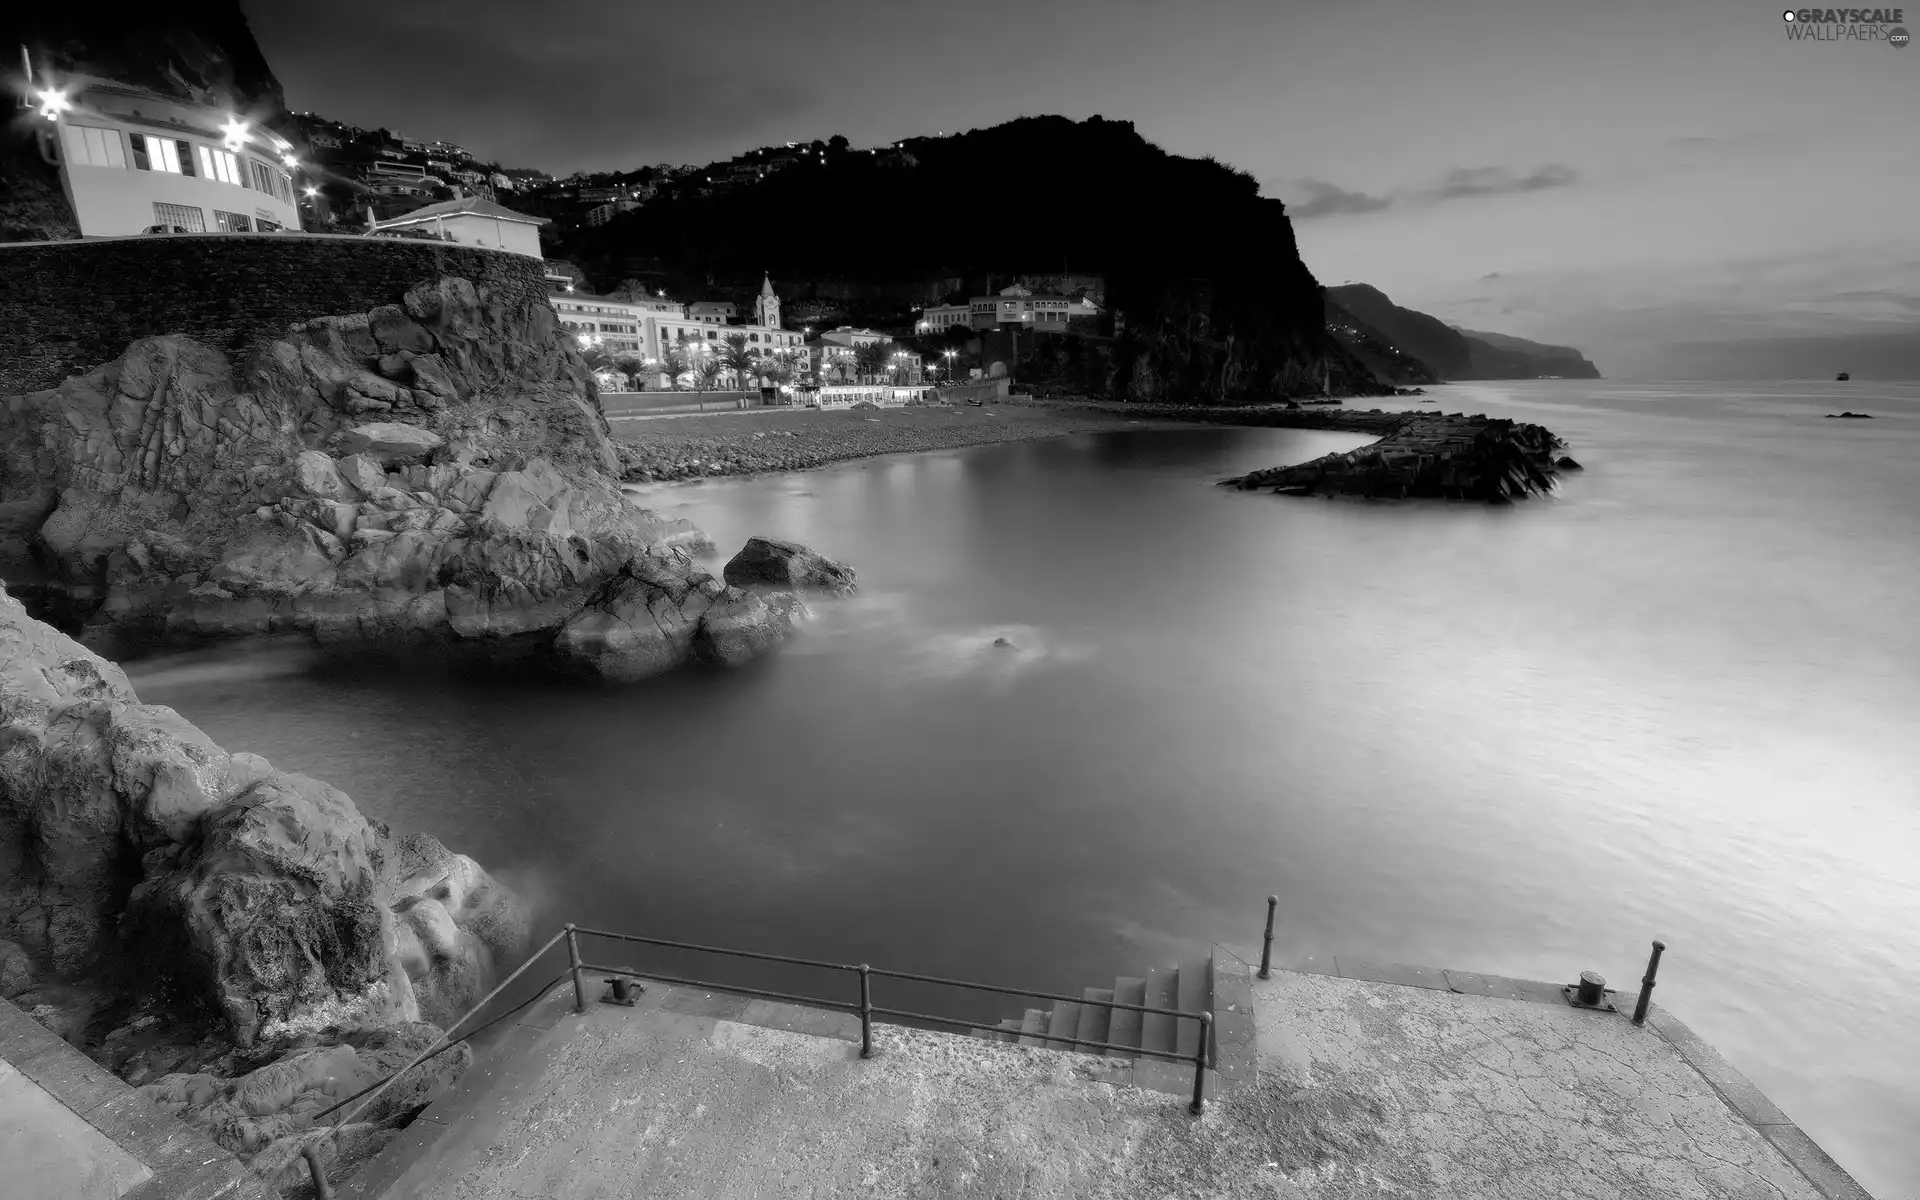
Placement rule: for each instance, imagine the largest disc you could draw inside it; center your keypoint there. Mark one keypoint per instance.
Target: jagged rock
(664, 609)
(266, 896)
(1427, 454)
(390, 443)
(176, 496)
(265, 1116)
(1566, 463)
(788, 565)
(16, 970)
(740, 626)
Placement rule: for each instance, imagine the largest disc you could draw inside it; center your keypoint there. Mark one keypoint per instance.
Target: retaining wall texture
(67, 307)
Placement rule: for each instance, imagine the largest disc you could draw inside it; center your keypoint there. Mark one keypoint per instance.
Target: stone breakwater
(672, 448)
(239, 943)
(1437, 455)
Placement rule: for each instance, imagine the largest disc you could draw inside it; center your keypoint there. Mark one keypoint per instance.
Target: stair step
(1126, 1022)
(1032, 1026)
(1156, 1029)
(1062, 1024)
(1095, 1019)
(1195, 995)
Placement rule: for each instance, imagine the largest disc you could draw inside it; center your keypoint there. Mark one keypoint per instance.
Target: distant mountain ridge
(1451, 353)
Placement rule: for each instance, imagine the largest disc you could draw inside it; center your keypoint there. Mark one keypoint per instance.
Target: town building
(939, 318)
(475, 222)
(1024, 307)
(133, 160)
(651, 327)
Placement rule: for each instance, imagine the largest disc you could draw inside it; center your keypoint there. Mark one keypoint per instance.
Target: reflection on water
(1675, 700)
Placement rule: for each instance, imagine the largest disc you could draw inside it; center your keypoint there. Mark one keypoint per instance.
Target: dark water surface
(1678, 700)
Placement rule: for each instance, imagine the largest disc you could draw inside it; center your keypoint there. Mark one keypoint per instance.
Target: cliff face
(1455, 353)
(204, 53)
(1389, 363)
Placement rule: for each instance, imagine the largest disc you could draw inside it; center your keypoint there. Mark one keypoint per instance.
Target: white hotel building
(651, 327)
(132, 159)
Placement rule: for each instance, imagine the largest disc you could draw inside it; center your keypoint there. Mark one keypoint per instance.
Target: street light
(53, 102)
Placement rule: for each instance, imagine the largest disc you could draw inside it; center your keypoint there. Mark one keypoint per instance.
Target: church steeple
(766, 306)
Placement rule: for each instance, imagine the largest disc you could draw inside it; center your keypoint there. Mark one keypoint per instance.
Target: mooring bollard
(866, 1011)
(1200, 1064)
(1646, 984)
(579, 979)
(1266, 948)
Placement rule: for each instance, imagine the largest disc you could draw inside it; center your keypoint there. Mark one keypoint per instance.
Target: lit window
(159, 154)
(218, 164)
(89, 146)
(232, 222)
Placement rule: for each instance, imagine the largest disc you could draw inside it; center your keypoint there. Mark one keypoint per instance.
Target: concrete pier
(1356, 1081)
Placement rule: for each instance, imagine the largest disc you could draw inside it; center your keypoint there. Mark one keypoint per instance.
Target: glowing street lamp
(53, 102)
(236, 131)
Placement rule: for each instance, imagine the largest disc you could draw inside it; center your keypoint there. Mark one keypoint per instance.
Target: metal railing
(867, 1010)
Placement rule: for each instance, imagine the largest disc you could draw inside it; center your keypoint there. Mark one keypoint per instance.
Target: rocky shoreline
(238, 943)
(660, 449)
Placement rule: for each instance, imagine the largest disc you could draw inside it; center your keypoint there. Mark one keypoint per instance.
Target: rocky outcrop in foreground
(239, 940)
(787, 564)
(1428, 454)
(430, 473)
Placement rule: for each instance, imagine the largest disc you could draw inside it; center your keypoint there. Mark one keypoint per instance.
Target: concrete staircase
(1186, 986)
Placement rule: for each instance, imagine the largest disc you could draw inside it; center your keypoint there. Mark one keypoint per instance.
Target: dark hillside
(1205, 274)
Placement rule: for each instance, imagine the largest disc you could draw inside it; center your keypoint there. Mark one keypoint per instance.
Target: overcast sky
(1621, 176)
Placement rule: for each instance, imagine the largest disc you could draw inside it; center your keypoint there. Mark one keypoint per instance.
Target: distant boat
(1842, 377)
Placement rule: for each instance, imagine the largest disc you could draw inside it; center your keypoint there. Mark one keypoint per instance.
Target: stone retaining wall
(66, 307)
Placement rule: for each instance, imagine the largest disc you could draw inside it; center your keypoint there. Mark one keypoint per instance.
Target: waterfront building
(474, 222)
(652, 326)
(1033, 310)
(132, 159)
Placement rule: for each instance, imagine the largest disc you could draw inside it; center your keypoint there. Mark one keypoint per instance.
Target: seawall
(66, 307)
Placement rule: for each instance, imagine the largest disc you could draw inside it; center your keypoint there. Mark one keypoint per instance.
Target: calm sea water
(1677, 700)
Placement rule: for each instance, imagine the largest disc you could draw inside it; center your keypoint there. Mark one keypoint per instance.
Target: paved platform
(1418, 1083)
(71, 1130)
(1429, 1082)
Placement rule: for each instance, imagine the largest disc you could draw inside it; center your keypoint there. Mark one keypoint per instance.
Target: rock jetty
(430, 473)
(240, 943)
(1424, 455)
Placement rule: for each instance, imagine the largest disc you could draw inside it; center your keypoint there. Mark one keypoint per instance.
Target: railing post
(866, 1011)
(1200, 1064)
(320, 1189)
(1266, 947)
(1646, 984)
(573, 959)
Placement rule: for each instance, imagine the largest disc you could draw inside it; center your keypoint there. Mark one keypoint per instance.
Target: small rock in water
(1004, 644)
(1566, 463)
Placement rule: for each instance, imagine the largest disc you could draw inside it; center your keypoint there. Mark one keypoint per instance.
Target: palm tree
(633, 367)
(737, 359)
(674, 363)
(707, 371)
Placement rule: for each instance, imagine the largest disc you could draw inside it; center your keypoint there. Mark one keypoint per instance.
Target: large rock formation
(663, 609)
(436, 471)
(765, 561)
(1428, 454)
(211, 893)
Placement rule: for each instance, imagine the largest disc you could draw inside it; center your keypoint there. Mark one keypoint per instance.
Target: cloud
(1464, 182)
(1324, 199)
(1491, 275)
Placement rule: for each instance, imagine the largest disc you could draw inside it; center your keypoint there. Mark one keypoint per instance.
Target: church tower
(766, 306)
